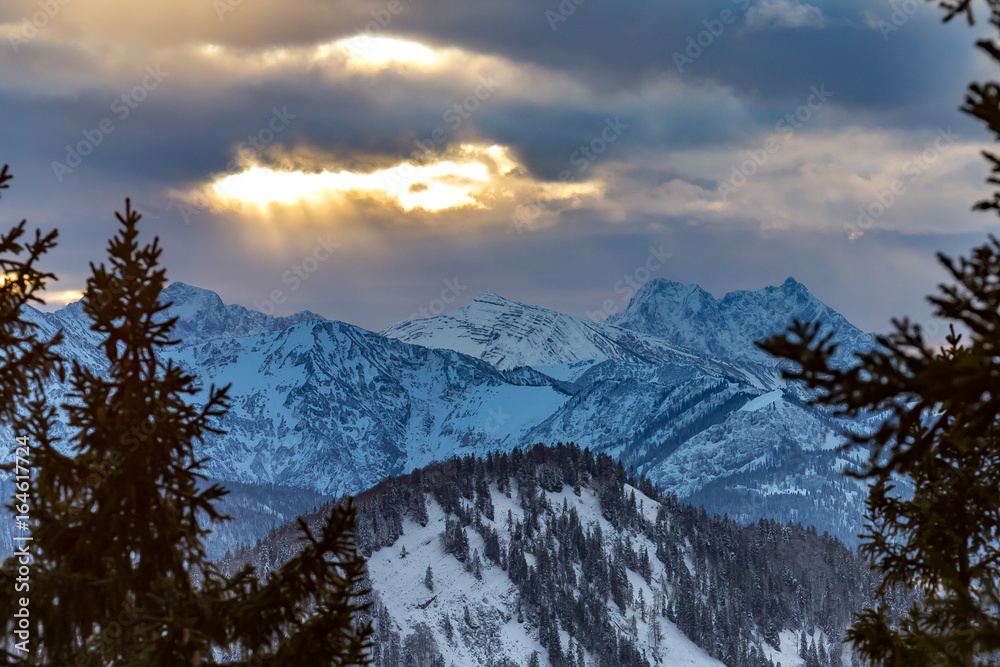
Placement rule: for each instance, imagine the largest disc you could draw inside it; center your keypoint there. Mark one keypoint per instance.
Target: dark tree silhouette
(120, 575)
(25, 361)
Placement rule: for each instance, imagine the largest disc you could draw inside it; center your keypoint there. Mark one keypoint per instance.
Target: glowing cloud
(359, 52)
(486, 179)
(384, 50)
(63, 297)
(433, 187)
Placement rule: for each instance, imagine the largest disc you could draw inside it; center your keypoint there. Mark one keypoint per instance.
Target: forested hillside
(560, 556)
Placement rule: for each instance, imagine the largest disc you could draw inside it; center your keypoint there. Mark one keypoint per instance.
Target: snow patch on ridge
(762, 401)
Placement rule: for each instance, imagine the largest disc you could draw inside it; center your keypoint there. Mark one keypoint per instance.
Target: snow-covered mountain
(201, 316)
(333, 408)
(507, 334)
(666, 321)
(727, 328)
(708, 412)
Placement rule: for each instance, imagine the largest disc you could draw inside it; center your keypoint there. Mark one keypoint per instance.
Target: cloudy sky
(364, 158)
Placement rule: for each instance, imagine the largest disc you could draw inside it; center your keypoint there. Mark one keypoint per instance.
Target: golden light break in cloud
(472, 177)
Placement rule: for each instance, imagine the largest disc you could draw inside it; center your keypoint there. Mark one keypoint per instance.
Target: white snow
(492, 602)
(568, 372)
(764, 400)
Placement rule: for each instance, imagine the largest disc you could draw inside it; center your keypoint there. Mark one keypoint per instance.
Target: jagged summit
(189, 298)
(185, 295)
(666, 284)
(670, 294)
(729, 327)
(203, 316)
(508, 333)
(664, 289)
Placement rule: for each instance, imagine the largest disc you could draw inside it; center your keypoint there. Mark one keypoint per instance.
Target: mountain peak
(508, 334)
(729, 327)
(181, 289)
(793, 286)
(668, 285)
(491, 298)
(664, 286)
(187, 299)
(663, 294)
(202, 315)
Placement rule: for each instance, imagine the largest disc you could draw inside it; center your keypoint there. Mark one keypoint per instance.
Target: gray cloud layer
(701, 88)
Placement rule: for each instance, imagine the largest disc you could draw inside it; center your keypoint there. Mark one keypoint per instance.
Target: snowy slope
(744, 440)
(334, 408)
(201, 316)
(492, 601)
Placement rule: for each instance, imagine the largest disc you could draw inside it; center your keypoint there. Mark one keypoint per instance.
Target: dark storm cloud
(605, 47)
(619, 45)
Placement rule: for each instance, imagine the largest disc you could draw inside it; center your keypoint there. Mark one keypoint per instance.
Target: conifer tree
(120, 574)
(25, 361)
(26, 364)
(942, 433)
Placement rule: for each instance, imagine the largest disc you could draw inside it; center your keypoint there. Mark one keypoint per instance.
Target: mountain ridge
(333, 408)
(729, 326)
